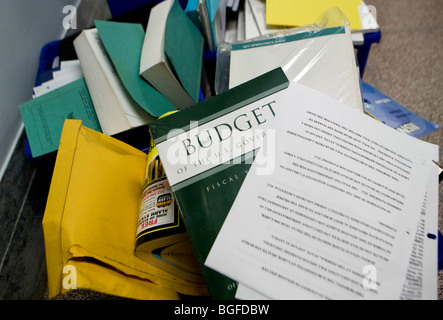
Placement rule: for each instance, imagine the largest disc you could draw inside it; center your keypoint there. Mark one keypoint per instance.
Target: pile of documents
(334, 205)
(280, 175)
(349, 210)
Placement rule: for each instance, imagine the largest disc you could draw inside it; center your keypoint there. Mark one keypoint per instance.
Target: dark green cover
(204, 210)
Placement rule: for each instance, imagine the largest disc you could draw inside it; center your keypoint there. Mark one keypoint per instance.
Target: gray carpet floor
(407, 65)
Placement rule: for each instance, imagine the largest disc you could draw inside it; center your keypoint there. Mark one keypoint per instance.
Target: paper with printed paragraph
(337, 217)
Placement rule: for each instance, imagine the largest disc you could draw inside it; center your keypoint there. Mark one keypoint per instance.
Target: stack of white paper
(344, 214)
(69, 71)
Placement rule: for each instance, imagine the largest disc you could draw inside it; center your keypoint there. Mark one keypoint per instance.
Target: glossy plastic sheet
(320, 55)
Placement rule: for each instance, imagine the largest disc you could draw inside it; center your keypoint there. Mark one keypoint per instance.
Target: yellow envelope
(90, 221)
(300, 12)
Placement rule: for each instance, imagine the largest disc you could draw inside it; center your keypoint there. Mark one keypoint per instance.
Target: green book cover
(184, 48)
(44, 116)
(205, 183)
(123, 42)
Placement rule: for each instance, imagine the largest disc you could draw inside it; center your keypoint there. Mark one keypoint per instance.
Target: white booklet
(337, 217)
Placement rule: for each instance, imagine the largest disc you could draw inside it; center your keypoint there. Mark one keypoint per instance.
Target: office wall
(25, 26)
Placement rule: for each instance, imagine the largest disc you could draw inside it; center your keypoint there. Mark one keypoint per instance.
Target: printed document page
(421, 277)
(337, 217)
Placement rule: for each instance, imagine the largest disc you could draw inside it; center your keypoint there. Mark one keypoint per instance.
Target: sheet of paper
(258, 10)
(69, 72)
(251, 27)
(337, 217)
(300, 13)
(421, 277)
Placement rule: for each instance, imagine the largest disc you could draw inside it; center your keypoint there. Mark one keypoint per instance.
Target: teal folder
(45, 116)
(184, 48)
(124, 42)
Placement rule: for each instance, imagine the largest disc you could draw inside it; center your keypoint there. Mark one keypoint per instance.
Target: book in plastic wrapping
(320, 56)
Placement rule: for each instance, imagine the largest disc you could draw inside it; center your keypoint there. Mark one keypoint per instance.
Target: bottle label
(157, 207)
